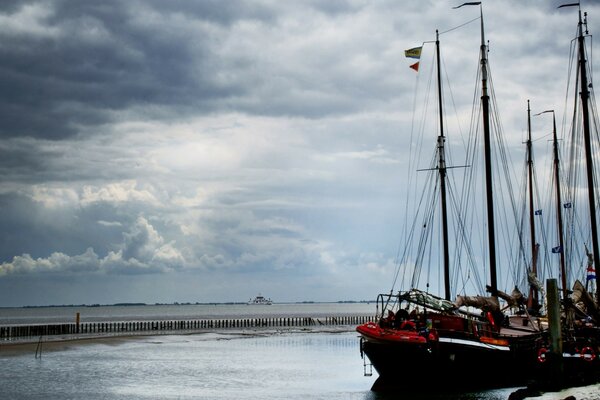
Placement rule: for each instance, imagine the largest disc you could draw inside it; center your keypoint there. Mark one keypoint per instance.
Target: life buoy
(542, 354)
(408, 326)
(491, 320)
(433, 336)
(588, 354)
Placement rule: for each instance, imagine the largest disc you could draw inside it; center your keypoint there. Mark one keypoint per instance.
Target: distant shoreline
(186, 304)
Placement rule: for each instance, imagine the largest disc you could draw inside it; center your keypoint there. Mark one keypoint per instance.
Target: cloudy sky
(200, 150)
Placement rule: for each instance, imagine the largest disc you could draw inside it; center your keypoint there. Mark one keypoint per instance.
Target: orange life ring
(588, 354)
(542, 354)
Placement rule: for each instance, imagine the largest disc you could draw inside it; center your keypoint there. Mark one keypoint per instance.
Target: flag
(591, 273)
(537, 212)
(567, 205)
(415, 66)
(415, 52)
(471, 3)
(557, 249)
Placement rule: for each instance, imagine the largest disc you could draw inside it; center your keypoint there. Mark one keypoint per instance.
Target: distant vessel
(260, 300)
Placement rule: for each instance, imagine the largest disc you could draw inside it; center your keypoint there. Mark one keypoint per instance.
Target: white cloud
(143, 250)
(118, 192)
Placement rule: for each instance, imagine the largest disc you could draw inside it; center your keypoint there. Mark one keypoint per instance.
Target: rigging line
(542, 266)
(542, 225)
(540, 138)
(466, 227)
(427, 226)
(549, 204)
(415, 156)
(572, 172)
(552, 199)
(428, 244)
(459, 232)
(594, 111)
(504, 161)
(461, 237)
(576, 227)
(469, 185)
(409, 240)
(460, 26)
(523, 218)
(505, 156)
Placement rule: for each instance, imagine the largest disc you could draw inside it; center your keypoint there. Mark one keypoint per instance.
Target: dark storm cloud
(190, 147)
(75, 64)
(92, 60)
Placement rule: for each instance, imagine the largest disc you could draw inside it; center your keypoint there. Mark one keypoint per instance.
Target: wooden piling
(11, 332)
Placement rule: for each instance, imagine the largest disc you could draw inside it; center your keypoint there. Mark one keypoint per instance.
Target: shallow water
(202, 366)
(253, 364)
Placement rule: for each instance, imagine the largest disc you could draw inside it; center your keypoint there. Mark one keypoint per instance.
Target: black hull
(455, 364)
(458, 365)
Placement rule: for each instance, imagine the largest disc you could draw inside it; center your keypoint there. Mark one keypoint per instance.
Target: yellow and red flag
(415, 52)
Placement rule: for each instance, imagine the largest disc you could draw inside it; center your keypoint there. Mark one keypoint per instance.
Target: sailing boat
(416, 331)
(578, 343)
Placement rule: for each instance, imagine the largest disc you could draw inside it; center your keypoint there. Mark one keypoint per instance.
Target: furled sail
(484, 303)
(584, 301)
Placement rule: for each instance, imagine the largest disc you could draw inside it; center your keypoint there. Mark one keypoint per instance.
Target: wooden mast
(559, 205)
(533, 292)
(563, 269)
(442, 172)
(585, 94)
(485, 106)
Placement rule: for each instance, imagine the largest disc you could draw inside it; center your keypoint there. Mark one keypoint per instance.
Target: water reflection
(307, 366)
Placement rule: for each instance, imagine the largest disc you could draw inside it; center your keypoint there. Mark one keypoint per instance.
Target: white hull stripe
(472, 343)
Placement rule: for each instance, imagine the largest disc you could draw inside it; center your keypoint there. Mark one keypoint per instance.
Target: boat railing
(394, 301)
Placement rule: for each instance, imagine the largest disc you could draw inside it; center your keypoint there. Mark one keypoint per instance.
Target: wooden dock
(11, 332)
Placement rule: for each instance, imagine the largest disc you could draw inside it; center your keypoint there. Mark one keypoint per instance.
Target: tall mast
(559, 205)
(485, 106)
(585, 94)
(533, 293)
(442, 172)
(563, 269)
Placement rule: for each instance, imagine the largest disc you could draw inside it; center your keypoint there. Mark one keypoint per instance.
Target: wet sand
(16, 348)
(65, 342)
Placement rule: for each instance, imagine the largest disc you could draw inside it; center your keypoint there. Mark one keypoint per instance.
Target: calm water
(42, 315)
(255, 364)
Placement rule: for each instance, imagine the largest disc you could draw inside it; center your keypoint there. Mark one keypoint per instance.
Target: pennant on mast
(415, 52)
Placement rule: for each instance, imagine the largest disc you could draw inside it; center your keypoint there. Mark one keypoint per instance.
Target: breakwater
(38, 330)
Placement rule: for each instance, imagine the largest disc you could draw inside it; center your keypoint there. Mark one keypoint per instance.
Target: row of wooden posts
(23, 331)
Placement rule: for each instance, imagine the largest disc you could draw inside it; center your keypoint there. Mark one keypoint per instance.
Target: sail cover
(484, 303)
(580, 296)
(425, 299)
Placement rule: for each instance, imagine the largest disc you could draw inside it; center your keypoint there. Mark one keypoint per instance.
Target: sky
(209, 151)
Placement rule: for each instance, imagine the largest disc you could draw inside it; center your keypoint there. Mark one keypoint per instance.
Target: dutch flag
(591, 273)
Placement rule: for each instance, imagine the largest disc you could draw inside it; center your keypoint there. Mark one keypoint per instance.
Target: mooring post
(555, 360)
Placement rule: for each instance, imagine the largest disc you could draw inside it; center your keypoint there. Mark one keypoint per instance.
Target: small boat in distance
(260, 300)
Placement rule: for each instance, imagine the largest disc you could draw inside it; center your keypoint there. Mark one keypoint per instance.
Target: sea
(252, 364)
